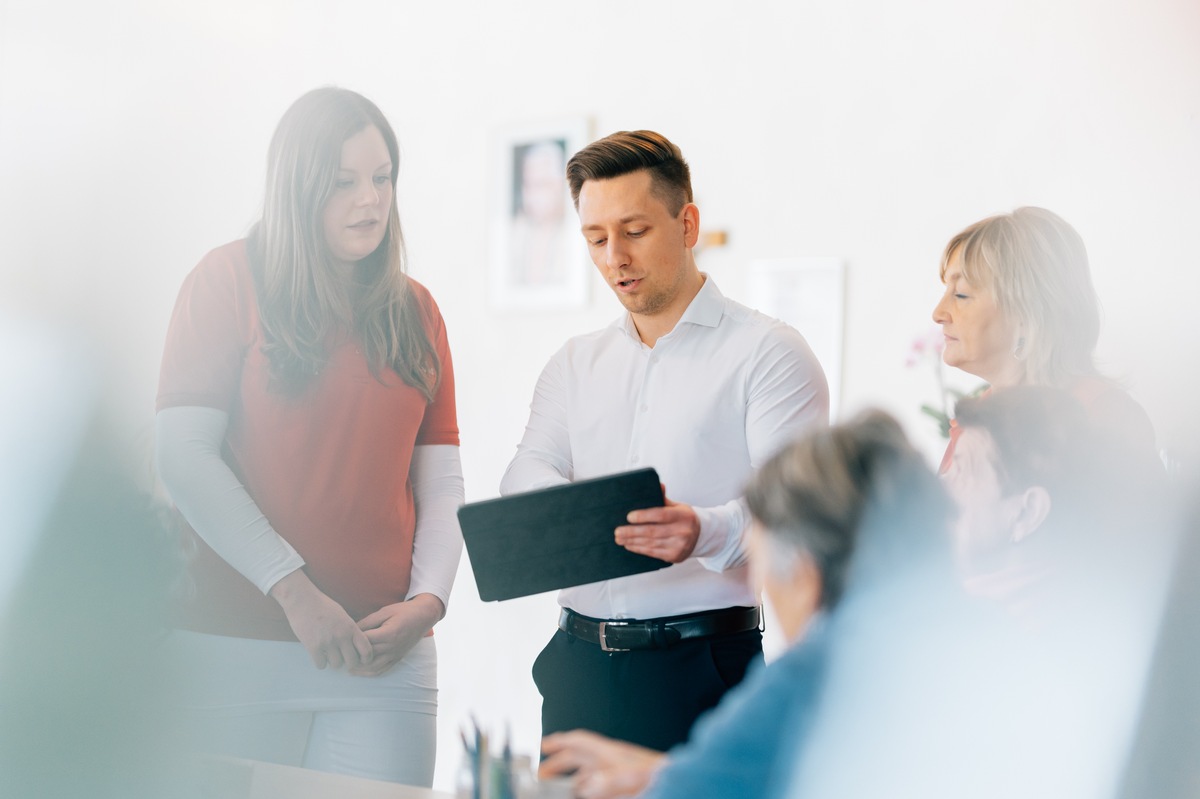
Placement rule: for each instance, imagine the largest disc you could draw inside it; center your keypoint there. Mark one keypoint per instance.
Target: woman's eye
(343, 183)
(960, 296)
(383, 180)
(636, 233)
(595, 242)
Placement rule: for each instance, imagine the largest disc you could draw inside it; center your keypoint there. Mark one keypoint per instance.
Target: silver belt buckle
(604, 625)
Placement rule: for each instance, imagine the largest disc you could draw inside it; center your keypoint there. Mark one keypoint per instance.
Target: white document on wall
(808, 294)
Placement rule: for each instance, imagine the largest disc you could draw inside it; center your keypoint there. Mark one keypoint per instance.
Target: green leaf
(941, 418)
(937, 414)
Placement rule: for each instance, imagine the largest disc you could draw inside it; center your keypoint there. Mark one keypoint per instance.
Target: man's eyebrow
(625, 220)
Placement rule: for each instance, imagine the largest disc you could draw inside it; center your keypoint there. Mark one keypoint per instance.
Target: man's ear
(691, 224)
(1032, 512)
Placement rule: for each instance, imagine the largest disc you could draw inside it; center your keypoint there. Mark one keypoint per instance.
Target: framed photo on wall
(537, 258)
(808, 294)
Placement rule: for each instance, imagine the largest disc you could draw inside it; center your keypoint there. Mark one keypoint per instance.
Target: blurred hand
(395, 629)
(603, 767)
(322, 625)
(668, 533)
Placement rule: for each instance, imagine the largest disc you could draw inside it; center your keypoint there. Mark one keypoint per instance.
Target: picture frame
(809, 294)
(537, 258)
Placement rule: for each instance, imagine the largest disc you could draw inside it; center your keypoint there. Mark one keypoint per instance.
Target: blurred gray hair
(821, 493)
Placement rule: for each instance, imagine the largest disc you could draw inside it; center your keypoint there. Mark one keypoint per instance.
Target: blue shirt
(742, 747)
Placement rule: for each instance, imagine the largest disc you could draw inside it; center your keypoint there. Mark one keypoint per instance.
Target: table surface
(236, 778)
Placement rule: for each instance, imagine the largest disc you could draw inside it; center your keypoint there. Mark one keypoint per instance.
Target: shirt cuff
(721, 544)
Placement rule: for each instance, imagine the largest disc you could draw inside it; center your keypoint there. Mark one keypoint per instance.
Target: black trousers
(650, 697)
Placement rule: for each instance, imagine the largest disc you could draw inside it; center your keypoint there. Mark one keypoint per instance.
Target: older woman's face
(794, 593)
(356, 215)
(979, 338)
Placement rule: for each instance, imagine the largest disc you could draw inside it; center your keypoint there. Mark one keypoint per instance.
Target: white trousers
(265, 700)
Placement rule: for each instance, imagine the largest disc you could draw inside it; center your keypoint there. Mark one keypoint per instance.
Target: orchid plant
(928, 347)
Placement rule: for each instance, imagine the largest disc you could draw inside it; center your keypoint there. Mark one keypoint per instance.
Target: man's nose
(615, 256)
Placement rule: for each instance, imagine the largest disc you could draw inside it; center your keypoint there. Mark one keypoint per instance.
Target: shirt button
(645, 407)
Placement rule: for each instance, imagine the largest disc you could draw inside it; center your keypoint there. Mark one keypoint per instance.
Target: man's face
(983, 534)
(640, 248)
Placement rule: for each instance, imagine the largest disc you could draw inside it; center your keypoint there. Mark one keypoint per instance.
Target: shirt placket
(636, 456)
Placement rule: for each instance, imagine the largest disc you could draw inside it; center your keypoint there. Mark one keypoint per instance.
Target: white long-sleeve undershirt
(222, 512)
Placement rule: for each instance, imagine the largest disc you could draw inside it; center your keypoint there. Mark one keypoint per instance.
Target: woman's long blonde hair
(304, 302)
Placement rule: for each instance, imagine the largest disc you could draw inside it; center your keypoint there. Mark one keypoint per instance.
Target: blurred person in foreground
(844, 510)
(306, 430)
(1019, 308)
(86, 570)
(1059, 543)
(85, 708)
(1071, 539)
(1164, 760)
(1043, 496)
(904, 687)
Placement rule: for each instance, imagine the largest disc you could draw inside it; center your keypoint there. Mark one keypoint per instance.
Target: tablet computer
(557, 537)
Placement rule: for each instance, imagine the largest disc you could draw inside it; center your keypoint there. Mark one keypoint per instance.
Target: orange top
(328, 467)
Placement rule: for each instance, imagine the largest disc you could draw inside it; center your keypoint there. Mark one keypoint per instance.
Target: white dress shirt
(707, 405)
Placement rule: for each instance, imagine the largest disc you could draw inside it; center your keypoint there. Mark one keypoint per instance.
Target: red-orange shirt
(328, 467)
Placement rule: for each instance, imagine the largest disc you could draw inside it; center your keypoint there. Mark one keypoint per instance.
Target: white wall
(133, 136)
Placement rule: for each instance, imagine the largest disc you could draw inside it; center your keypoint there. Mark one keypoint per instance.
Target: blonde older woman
(1020, 309)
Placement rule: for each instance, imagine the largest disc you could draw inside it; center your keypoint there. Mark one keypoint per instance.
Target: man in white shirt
(697, 386)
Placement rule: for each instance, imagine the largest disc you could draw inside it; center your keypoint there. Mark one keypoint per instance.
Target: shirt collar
(706, 309)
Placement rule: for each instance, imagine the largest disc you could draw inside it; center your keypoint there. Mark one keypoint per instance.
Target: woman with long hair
(306, 431)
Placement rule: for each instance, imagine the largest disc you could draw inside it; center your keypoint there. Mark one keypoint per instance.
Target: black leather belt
(625, 635)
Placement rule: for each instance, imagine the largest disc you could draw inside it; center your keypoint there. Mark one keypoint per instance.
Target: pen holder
(481, 776)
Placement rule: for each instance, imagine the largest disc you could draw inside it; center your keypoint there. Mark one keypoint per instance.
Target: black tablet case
(557, 537)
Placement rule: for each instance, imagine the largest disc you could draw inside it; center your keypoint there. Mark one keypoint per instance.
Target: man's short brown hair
(626, 151)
